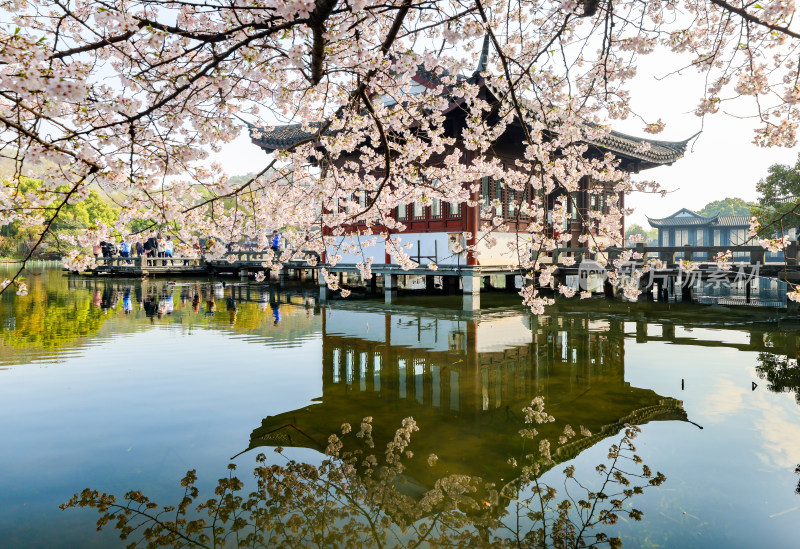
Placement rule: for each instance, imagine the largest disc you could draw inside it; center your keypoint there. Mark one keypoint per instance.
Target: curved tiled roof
(281, 137)
(714, 221)
(681, 221)
(732, 220)
(658, 152)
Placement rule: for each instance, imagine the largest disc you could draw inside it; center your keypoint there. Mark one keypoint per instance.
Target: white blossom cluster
(131, 97)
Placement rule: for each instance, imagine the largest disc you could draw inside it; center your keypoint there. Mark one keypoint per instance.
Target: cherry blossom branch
(744, 14)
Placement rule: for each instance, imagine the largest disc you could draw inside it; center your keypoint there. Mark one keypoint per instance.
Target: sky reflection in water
(124, 385)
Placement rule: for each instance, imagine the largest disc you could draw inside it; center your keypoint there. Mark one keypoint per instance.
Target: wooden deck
(748, 263)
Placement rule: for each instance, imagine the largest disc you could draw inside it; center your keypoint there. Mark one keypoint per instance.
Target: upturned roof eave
(622, 145)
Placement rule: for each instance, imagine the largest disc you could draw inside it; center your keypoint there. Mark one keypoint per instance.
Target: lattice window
(498, 194)
(436, 203)
(436, 208)
(512, 202)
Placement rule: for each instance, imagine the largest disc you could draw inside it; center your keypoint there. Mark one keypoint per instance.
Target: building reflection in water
(466, 379)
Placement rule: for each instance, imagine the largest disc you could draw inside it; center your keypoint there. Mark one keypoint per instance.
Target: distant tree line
(17, 239)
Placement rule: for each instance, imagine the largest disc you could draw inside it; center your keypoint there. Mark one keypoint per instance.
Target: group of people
(157, 245)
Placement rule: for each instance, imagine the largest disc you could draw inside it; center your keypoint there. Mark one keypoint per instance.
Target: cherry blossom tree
(131, 97)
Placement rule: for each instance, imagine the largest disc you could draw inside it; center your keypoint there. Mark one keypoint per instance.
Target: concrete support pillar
(390, 283)
(243, 274)
(324, 291)
(470, 284)
(471, 302)
(282, 278)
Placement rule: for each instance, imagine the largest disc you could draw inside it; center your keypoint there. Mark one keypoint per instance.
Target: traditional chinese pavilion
(433, 228)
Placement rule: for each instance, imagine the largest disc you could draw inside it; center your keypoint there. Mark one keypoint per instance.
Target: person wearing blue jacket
(276, 242)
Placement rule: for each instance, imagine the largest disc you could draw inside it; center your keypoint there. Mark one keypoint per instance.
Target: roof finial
(249, 125)
(484, 58)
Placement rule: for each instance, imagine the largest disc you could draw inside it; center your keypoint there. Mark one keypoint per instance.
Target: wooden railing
(753, 255)
(147, 262)
(260, 256)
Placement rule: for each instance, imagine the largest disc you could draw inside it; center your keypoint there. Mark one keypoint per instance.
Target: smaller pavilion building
(687, 227)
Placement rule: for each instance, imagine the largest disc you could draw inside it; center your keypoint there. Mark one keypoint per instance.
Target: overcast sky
(721, 162)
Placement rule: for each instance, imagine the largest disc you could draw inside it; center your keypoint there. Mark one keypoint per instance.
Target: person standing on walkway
(276, 243)
(160, 247)
(150, 246)
(125, 249)
(169, 249)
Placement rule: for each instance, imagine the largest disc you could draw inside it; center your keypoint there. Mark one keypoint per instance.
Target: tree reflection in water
(782, 373)
(464, 378)
(354, 498)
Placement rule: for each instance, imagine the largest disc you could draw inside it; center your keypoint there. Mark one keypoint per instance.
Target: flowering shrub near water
(355, 498)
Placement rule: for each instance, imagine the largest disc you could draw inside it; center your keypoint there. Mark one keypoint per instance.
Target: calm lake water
(125, 385)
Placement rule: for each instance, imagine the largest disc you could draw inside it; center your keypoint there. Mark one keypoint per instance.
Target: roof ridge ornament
(483, 60)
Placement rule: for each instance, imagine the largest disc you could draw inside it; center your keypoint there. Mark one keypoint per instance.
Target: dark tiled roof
(715, 221)
(680, 221)
(733, 221)
(281, 137)
(659, 152)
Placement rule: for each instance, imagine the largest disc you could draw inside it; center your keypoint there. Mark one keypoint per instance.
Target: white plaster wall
(429, 244)
(434, 245)
(377, 252)
(499, 254)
